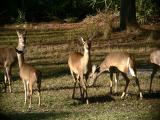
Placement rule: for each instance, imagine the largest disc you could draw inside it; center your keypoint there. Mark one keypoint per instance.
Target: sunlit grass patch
(48, 50)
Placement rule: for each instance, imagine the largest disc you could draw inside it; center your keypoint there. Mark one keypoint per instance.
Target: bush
(145, 10)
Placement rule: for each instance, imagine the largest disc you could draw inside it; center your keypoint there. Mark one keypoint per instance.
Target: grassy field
(48, 49)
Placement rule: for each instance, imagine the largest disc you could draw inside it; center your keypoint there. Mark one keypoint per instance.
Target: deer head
(93, 75)
(21, 40)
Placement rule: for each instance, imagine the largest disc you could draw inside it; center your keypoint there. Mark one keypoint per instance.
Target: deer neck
(20, 57)
(85, 58)
(85, 61)
(100, 71)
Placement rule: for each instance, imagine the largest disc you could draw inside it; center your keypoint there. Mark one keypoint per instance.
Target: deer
(28, 73)
(80, 67)
(116, 62)
(155, 61)
(8, 59)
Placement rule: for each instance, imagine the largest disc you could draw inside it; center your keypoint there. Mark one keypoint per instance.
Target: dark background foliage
(12, 11)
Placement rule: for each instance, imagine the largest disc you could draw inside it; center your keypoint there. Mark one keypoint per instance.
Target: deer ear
(94, 67)
(81, 39)
(17, 31)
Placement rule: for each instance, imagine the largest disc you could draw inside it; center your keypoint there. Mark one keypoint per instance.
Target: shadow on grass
(101, 99)
(57, 88)
(153, 95)
(33, 116)
(54, 73)
(95, 99)
(65, 88)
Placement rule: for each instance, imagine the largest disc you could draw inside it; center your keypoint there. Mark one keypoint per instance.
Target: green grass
(57, 102)
(48, 51)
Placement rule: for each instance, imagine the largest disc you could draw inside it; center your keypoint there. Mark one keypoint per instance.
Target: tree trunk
(128, 15)
(123, 15)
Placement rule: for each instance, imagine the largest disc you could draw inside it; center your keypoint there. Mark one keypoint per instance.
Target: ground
(48, 46)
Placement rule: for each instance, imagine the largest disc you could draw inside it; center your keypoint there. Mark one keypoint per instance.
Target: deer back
(155, 57)
(8, 56)
(120, 60)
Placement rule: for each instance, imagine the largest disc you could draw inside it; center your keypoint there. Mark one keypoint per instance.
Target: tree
(128, 15)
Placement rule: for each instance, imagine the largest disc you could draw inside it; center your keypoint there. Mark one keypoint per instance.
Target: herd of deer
(82, 71)
(86, 74)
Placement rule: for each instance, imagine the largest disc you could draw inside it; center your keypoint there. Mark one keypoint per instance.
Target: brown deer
(155, 60)
(8, 58)
(118, 62)
(80, 67)
(28, 74)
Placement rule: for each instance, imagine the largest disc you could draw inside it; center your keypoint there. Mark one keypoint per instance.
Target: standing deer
(28, 74)
(118, 62)
(8, 58)
(155, 60)
(80, 67)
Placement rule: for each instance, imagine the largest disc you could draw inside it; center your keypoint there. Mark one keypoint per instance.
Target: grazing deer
(8, 58)
(112, 70)
(28, 74)
(80, 67)
(118, 62)
(155, 60)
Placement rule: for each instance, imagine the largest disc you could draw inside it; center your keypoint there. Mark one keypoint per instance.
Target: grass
(57, 102)
(48, 51)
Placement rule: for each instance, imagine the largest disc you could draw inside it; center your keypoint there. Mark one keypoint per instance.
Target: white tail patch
(130, 68)
(128, 62)
(81, 38)
(94, 68)
(132, 71)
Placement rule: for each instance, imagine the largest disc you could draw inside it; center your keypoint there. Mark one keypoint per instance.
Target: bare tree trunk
(123, 15)
(128, 15)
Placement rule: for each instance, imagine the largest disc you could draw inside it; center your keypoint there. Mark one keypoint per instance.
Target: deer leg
(25, 91)
(111, 84)
(87, 101)
(116, 81)
(126, 86)
(39, 92)
(74, 89)
(85, 79)
(30, 95)
(5, 81)
(8, 73)
(140, 92)
(154, 71)
(83, 84)
(75, 82)
(80, 88)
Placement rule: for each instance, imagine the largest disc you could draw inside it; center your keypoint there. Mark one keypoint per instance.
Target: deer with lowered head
(118, 62)
(80, 67)
(28, 74)
(8, 58)
(155, 60)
